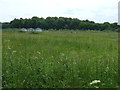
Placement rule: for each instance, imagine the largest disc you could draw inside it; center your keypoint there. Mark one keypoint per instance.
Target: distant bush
(21, 31)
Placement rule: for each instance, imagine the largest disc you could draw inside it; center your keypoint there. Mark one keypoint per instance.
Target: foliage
(5, 25)
(34, 32)
(60, 23)
(60, 59)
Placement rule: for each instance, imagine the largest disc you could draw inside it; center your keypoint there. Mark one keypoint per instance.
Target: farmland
(60, 59)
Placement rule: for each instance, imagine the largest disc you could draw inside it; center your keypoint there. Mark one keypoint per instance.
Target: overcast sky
(94, 10)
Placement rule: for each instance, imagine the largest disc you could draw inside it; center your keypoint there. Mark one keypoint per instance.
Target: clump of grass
(34, 32)
(21, 31)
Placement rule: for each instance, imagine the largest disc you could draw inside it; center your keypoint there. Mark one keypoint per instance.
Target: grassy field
(60, 59)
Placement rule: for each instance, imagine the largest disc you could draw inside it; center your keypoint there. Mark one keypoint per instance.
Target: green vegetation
(60, 59)
(60, 23)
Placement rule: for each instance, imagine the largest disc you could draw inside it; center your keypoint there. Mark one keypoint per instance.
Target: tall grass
(60, 59)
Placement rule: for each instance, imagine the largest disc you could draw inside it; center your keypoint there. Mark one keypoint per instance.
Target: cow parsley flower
(95, 82)
(38, 52)
(9, 48)
(14, 51)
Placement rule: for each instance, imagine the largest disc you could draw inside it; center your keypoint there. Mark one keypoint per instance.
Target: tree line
(59, 23)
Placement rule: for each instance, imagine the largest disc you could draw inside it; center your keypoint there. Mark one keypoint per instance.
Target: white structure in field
(119, 13)
(32, 29)
(24, 29)
(38, 29)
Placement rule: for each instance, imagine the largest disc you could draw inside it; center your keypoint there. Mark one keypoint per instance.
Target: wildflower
(9, 48)
(62, 54)
(38, 52)
(95, 82)
(96, 86)
(36, 57)
(23, 81)
(74, 62)
(7, 40)
(107, 69)
(14, 51)
(61, 59)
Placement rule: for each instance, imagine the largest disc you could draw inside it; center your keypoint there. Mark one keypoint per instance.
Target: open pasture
(60, 59)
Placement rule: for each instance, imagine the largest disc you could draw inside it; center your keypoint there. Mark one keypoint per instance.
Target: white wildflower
(61, 59)
(23, 81)
(36, 57)
(14, 51)
(62, 54)
(74, 62)
(95, 82)
(96, 86)
(38, 52)
(107, 69)
(9, 48)
(7, 40)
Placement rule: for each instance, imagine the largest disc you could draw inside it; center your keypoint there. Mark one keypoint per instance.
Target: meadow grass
(60, 59)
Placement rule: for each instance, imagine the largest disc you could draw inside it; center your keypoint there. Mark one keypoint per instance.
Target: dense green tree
(60, 23)
(15, 23)
(5, 25)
